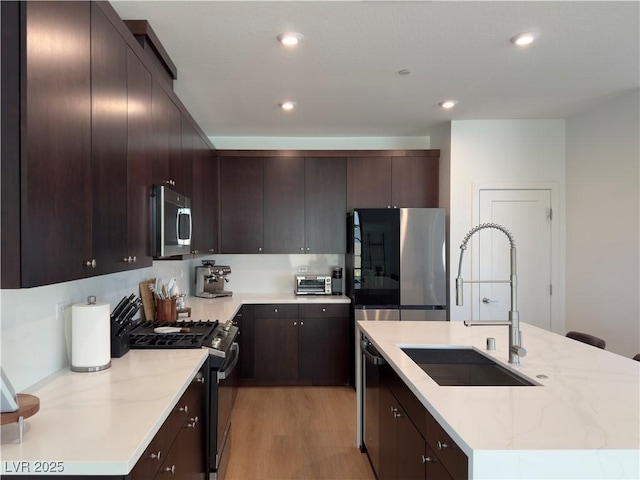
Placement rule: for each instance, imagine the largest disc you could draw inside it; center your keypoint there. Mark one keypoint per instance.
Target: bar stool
(586, 338)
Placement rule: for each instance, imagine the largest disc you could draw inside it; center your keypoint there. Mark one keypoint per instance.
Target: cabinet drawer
(277, 310)
(319, 310)
(453, 459)
(407, 400)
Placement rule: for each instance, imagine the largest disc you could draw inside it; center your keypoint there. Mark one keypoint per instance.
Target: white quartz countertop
(582, 421)
(100, 423)
(224, 308)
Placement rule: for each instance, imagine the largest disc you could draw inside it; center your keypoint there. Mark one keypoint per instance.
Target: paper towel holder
(91, 300)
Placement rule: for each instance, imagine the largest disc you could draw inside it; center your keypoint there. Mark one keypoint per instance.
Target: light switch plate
(303, 269)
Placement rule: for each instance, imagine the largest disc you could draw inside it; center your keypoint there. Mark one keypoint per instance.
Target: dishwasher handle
(372, 357)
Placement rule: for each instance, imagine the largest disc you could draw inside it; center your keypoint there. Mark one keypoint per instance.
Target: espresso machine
(210, 280)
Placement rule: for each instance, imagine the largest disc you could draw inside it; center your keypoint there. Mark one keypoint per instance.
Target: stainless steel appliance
(220, 340)
(210, 280)
(171, 222)
(396, 264)
(309, 284)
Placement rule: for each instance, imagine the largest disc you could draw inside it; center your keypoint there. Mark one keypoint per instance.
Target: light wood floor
(296, 433)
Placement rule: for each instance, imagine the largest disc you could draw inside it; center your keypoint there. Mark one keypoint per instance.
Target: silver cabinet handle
(442, 445)
(428, 459)
(171, 182)
(156, 456)
(301, 322)
(308, 249)
(90, 263)
(184, 409)
(199, 380)
(212, 250)
(259, 249)
(302, 249)
(488, 300)
(171, 469)
(135, 259)
(324, 309)
(295, 323)
(275, 310)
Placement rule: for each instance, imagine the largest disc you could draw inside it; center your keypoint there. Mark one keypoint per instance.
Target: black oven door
(223, 396)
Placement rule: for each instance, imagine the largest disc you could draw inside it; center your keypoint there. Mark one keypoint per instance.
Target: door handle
(488, 300)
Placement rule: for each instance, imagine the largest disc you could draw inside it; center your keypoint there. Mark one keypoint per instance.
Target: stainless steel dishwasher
(371, 362)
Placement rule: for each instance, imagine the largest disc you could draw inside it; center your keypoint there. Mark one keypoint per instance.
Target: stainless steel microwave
(171, 222)
(309, 284)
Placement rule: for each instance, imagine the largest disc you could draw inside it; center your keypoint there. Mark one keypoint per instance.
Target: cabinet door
(241, 203)
(284, 201)
(368, 182)
(410, 449)
(276, 351)
(181, 168)
(204, 199)
(415, 182)
(174, 119)
(138, 162)
(56, 139)
(108, 143)
(323, 351)
(160, 119)
(388, 435)
(209, 199)
(325, 205)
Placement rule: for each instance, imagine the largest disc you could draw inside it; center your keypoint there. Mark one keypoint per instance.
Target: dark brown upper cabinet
(399, 181)
(325, 204)
(139, 153)
(204, 202)
(109, 117)
(241, 204)
(49, 157)
(284, 205)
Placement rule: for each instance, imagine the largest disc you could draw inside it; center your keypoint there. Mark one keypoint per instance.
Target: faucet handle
(518, 350)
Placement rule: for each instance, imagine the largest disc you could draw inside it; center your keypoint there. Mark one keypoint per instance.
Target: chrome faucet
(515, 336)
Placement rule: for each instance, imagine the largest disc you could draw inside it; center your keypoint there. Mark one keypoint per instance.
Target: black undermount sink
(463, 367)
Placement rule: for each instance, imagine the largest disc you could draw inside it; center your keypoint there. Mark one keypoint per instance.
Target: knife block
(119, 344)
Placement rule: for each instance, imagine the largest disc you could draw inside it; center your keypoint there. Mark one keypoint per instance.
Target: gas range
(217, 337)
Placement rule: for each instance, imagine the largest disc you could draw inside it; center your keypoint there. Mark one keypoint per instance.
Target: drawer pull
(442, 445)
(184, 409)
(194, 420)
(171, 469)
(199, 380)
(156, 456)
(275, 310)
(428, 459)
(324, 309)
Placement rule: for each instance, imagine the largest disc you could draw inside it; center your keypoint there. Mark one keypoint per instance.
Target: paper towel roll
(90, 337)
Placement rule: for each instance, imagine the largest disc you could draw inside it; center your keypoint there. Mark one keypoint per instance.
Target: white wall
(603, 226)
(320, 143)
(270, 273)
(35, 342)
(508, 153)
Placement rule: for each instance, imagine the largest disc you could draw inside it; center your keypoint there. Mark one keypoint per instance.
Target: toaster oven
(313, 284)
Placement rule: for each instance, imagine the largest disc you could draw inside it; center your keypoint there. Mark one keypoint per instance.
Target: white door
(527, 215)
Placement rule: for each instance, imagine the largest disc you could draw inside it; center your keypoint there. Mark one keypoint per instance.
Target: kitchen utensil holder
(119, 344)
(166, 310)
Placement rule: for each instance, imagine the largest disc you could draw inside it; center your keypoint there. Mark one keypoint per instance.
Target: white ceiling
(232, 73)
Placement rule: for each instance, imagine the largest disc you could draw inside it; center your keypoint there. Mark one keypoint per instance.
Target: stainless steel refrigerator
(396, 264)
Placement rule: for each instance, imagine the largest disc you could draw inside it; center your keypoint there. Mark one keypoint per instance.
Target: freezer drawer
(408, 315)
(376, 314)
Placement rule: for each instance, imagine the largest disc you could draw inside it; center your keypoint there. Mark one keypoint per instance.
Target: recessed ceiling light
(288, 105)
(524, 39)
(290, 38)
(447, 104)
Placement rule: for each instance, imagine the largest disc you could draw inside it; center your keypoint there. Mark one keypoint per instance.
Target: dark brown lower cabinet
(413, 445)
(178, 449)
(296, 345)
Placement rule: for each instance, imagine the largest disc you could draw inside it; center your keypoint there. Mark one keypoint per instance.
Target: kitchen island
(581, 420)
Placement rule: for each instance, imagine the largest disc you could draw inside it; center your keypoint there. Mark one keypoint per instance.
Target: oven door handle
(231, 364)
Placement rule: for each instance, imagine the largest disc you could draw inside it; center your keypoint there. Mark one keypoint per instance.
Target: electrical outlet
(303, 269)
(60, 308)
